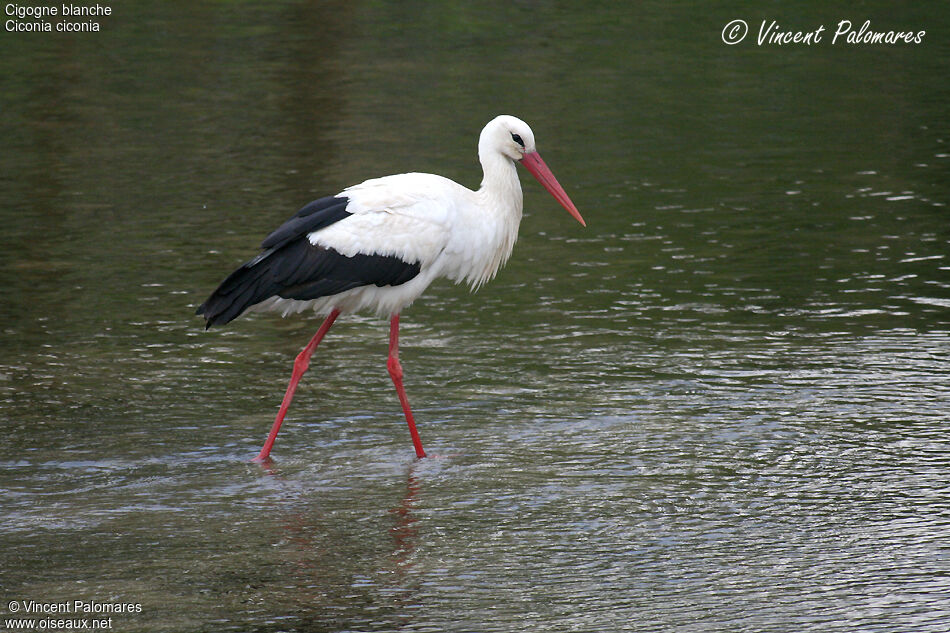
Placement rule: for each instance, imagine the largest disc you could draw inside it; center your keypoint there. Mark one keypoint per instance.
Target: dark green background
(722, 406)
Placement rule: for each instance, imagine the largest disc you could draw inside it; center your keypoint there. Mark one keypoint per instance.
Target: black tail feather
(243, 288)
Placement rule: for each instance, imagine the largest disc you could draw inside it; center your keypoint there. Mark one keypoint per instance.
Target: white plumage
(450, 230)
(379, 244)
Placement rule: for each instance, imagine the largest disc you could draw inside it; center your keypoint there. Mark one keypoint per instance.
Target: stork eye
(517, 139)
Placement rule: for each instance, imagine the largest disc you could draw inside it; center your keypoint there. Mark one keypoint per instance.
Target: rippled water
(722, 406)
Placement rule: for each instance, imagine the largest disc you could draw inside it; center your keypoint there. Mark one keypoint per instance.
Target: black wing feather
(292, 268)
(310, 218)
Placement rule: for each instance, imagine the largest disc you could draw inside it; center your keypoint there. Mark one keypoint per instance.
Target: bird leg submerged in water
(300, 366)
(303, 362)
(395, 372)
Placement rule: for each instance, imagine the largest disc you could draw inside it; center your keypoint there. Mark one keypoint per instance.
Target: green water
(722, 406)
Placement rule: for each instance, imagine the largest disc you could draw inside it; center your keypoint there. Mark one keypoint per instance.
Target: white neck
(500, 188)
(500, 205)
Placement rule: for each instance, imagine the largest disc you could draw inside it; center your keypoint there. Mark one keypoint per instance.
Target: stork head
(511, 137)
(508, 135)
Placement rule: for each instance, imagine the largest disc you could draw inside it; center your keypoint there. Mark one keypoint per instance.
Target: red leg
(395, 372)
(300, 366)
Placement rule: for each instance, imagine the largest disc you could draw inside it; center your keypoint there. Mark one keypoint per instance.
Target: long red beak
(533, 163)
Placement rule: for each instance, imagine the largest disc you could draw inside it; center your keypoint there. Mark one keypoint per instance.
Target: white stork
(379, 244)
